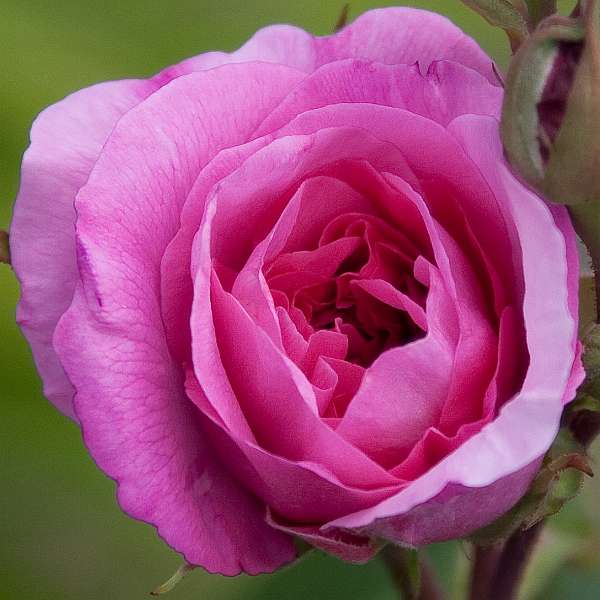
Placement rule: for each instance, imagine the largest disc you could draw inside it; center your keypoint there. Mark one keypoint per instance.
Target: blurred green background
(62, 534)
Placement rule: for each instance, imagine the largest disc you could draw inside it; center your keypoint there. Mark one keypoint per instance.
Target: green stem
(513, 561)
(413, 580)
(586, 221)
(484, 567)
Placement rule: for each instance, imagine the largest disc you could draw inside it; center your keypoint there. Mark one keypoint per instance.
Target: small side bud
(551, 112)
(538, 84)
(573, 164)
(551, 117)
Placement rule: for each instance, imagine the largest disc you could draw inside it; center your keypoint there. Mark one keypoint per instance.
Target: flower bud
(551, 112)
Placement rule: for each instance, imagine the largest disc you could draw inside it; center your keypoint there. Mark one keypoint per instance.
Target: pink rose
(293, 290)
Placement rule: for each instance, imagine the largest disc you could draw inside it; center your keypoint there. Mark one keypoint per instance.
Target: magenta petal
(143, 432)
(387, 35)
(456, 511)
(495, 465)
(125, 220)
(387, 293)
(350, 547)
(406, 35)
(176, 280)
(66, 139)
(296, 225)
(301, 491)
(403, 392)
(279, 402)
(318, 201)
(401, 395)
(444, 92)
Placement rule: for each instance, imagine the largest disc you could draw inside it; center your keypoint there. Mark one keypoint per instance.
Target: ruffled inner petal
(373, 291)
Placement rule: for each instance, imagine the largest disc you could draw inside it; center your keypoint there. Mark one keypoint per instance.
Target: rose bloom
(294, 291)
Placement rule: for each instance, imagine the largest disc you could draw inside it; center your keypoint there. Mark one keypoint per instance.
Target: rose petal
(301, 491)
(387, 35)
(511, 446)
(404, 390)
(349, 547)
(144, 433)
(127, 213)
(445, 91)
(66, 139)
(277, 400)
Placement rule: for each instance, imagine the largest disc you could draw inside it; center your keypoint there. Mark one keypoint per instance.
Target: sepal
(558, 481)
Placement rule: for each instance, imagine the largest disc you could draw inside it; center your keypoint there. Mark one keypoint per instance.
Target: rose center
(356, 283)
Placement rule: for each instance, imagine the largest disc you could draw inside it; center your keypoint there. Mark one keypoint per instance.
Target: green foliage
(591, 361)
(511, 15)
(540, 9)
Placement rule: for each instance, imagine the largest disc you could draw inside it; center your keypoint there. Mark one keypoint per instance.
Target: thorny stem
(511, 565)
(484, 566)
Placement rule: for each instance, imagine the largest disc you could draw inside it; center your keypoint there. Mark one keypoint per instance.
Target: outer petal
(498, 462)
(144, 432)
(136, 421)
(406, 35)
(349, 547)
(387, 35)
(65, 142)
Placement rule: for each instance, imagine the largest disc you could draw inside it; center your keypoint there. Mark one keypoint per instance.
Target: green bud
(540, 67)
(574, 161)
(551, 113)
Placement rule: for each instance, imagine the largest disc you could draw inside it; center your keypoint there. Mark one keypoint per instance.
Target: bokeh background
(62, 536)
